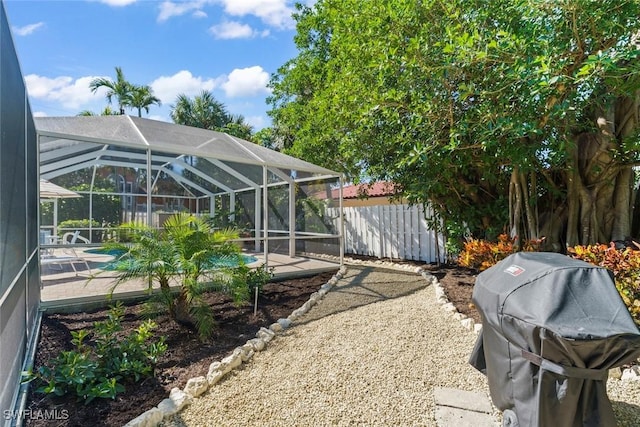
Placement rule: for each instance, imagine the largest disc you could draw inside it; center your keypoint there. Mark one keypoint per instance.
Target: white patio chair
(70, 256)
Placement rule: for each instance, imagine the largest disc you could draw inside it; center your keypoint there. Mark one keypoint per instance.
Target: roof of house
(375, 189)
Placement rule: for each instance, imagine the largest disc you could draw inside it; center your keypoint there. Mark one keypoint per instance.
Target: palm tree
(142, 97)
(106, 112)
(203, 111)
(182, 255)
(120, 88)
(238, 127)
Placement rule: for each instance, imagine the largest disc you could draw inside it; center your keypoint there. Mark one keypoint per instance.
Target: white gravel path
(372, 365)
(369, 354)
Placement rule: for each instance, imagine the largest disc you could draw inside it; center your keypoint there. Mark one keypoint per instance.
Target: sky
(228, 47)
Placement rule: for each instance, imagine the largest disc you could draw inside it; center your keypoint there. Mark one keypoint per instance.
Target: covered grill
(552, 327)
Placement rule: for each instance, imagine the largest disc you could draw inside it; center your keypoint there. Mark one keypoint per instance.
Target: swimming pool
(122, 264)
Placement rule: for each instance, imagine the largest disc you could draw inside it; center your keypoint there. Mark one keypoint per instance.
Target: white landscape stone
(230, 362)
(214, 376)
(167, 407)
(443, 300)
(298, 312)
(449, 307)
(314, 297)
(461, 317)
(196, 386)
(615, 373)
(257, 343)
(468, 323)
(247, 352)
(275, 327)
(265, 334)
(179, 398)
(285, 323)
(631, 374)
(150, 418)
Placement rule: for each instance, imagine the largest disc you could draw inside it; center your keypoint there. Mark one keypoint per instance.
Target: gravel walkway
(369, 354)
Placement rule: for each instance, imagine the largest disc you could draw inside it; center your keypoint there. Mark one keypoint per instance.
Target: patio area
(64, 290)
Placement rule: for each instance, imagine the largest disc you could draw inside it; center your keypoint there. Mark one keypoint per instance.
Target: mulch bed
(187, 356)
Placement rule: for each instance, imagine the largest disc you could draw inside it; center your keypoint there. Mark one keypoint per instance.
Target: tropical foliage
(141, 98)
(101, 369)
(187, 256)
(482, 254)
(126, 94)
(507, 115)
(206, 112)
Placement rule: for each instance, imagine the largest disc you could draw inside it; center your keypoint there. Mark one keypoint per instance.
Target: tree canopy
(504, 115)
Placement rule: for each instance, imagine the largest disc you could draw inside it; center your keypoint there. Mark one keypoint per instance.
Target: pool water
(119, 264)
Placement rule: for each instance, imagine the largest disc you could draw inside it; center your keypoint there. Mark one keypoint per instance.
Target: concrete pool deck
(62, 289)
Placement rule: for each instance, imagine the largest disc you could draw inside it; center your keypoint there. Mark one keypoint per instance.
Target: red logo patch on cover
(514, 270)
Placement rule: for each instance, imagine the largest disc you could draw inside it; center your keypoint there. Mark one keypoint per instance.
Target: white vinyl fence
(392, 231)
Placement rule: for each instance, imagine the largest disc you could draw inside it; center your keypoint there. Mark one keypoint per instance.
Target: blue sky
(228, 47)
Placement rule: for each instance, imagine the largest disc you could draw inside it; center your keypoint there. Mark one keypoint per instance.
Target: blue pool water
(229, 261)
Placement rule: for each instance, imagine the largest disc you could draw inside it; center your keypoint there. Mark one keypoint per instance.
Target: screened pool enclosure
(131, 169)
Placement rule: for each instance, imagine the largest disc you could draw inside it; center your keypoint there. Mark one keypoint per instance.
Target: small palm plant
(186, 259)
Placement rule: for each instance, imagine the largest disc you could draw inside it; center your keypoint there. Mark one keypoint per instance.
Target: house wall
(19, 260)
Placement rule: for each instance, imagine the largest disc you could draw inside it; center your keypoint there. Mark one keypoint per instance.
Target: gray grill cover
(552, 327)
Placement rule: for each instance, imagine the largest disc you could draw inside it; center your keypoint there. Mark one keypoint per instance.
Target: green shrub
(258, 277)
(83, 226)
(101, 369)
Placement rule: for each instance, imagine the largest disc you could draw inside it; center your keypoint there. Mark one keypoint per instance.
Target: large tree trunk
(523, 215)
(599, 188)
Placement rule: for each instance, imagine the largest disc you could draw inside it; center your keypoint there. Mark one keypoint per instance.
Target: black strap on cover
(567, 371)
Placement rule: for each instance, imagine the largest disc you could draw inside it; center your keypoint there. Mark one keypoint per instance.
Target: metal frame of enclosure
(19, 260)
(153, 169)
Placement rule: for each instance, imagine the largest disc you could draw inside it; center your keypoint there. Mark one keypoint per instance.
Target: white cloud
(235, 30)
(272, 12)
(199, 14)
(250, 81)
(70, 93)
(118, 3)
(258, 122)
(167, 88)
(27, 29)
(275, 13)
(169, 9)
(39, 114)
